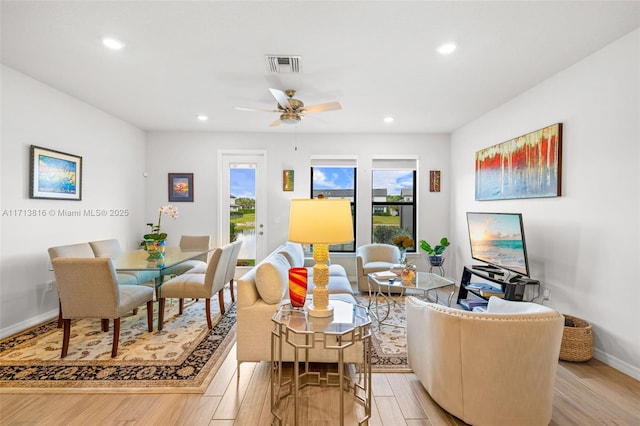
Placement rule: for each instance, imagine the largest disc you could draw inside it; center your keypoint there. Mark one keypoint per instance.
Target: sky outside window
(243, 183)
(333, 178)
(393, 180)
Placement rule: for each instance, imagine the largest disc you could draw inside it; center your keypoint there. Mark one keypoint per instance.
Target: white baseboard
(17, 328)
(618, 364)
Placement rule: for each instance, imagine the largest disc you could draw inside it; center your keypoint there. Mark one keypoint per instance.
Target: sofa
(264, 288)
(487, 368)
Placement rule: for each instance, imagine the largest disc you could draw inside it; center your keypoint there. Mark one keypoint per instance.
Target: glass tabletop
(424, 281)
(137, 260)
(346, 317)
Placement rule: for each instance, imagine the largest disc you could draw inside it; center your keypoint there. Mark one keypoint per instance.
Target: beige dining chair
(192, 243)
(231, 267)
(196, 286)
(84, 250)
(88, 288)
(111, 248)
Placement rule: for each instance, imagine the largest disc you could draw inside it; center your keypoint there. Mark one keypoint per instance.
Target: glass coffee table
(424, 282)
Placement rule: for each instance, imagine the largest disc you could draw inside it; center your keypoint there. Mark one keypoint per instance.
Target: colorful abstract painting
(528, 166)
(180, 187)
(55, 175)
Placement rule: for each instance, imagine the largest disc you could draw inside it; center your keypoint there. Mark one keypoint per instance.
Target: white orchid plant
(155, 233)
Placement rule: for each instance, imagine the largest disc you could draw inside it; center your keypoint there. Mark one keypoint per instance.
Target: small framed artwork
(181, 187)
(528, 166)
(287, 180)
(434, 181)
(55, 175)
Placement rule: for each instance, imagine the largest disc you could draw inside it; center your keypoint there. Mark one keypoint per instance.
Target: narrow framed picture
(434, 181)
(181, 187)
(287, 180)
(55, 175)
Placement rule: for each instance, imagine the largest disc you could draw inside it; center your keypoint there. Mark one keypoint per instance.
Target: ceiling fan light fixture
(290, 118)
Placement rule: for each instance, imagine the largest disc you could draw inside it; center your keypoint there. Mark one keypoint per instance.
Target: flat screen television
(498, 240)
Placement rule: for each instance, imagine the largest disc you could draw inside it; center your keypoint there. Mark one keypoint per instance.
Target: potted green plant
(435, 252)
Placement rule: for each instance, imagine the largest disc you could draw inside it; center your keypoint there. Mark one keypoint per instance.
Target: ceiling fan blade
(256, 109)
(328, 106)
(282, 98)
(275, 123)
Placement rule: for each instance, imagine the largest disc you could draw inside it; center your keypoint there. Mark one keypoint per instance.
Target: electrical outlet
(48, 286)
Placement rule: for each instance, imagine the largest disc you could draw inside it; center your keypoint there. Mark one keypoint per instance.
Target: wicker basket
(577, 342)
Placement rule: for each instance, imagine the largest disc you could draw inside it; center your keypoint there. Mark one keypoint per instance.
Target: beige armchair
(88, 288)
(491, 368)
(196, 286)
(374, 258)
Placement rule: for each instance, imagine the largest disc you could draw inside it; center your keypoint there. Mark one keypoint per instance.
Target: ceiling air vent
(283, 64)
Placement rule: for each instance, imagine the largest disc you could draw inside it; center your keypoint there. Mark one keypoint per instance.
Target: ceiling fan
(292, 110)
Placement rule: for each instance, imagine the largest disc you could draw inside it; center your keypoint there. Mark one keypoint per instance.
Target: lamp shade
(320, 221)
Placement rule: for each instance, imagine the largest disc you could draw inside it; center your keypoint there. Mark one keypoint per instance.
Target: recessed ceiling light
(112, 43)
(202, 117)
(388, 119)
(447, 48)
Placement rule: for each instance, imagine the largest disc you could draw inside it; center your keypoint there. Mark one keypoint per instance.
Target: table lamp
(320, 222)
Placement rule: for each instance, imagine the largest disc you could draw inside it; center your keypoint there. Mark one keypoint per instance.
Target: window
(393, 200)
(336, 181)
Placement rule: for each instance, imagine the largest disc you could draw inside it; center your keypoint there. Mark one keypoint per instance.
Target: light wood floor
(589, 393)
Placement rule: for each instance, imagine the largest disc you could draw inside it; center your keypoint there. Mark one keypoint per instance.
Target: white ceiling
(376, 58)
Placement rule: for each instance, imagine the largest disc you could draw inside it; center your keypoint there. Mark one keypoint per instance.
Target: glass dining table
(137, 261)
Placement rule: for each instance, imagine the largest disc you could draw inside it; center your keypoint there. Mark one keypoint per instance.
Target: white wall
(198, 153)
(583, 246)
(113, 155)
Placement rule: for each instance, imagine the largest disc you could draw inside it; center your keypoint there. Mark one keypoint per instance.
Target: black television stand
(512, 289)
(489, 269)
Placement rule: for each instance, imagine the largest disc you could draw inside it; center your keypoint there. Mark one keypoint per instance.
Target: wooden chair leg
(66, 332)
(150, 315)
(160, 312)
(105, 324)
(221, 300)
(208, 311)
(233, 297)
(180, 306)
(116, 337)
(59, 314)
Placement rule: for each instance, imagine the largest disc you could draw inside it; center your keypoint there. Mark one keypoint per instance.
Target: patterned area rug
(389, 342)
(181, 356)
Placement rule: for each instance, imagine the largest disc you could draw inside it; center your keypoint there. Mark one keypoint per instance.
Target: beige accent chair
(111, 249)
(487, 368)
(88, 288)
(374, 258)
(192, 243)
(196, 286)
